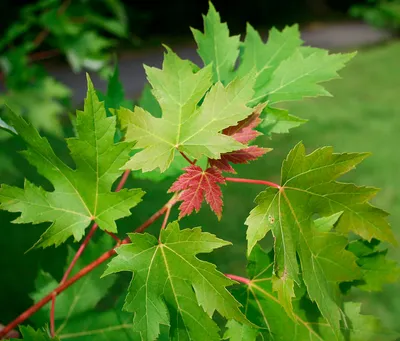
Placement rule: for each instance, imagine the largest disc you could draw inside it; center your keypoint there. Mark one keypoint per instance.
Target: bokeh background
(363, 115)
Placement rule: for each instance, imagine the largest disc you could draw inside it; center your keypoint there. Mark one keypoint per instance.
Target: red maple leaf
(243, 132)
(196, 185)
(238, 157)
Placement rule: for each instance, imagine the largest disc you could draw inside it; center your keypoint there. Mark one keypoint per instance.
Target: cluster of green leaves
(379, 13)
(327, 237)
(77, 30)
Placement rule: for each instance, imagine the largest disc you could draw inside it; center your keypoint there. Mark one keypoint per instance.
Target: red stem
(187, 159)
(113, 236)
(44, 33)
(77, 255)
(26, 314)
(155, 216)
(79, 252)
(67, 272)
(239, 279)
(52, 313)
(125, 177)
(165, 221)
(43, 55)
(251, 181)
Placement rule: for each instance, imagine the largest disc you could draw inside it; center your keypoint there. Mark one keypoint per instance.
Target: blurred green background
(363, 115)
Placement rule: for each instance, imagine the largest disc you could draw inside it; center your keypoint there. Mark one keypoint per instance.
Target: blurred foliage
(74, 29)
(379, 13)
(356, 101)
(80, 30)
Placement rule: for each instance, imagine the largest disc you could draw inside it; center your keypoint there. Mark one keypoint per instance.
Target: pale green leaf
(262, 59)
(298, 77)
(40, 104)
(366, 327)
(171, 286)
(361, 327)
(84, 295)
(216, 47)
(278, 121)
(325, 224)
(6, 127)
(240, 332)
(30, 334)
(80, 195)
(376, 268)
(307, 189)
(184, 126)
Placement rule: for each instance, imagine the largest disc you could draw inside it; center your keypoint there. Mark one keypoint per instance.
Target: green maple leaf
(298, 76)
(263, 307)
(40, 104)
(82, 297)
(362, 327)
(376, 268)
(114, 98)
(80, 195)
(262, 59)
(110, 325)
(30, 334)
(366, 327)
(184, 126)
(77, 316)
(6, 127)
(307, 189)
(171, 286)
(283, 69)
(216, 47)
(278, 121)
(236, 331)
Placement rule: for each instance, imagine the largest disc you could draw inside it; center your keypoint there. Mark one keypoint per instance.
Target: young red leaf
(238, 157)
(196, 185)
(243, 132)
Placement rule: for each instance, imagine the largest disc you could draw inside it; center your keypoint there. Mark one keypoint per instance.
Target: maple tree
(194, 125)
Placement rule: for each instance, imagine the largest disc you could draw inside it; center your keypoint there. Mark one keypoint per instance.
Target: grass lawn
(363, 115)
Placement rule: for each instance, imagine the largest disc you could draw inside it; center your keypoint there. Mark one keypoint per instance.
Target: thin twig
(68, 271)
(165, 221)
(52, 313)
(239, 279)
(44, 33)
(113, 236)
(156, 215)
(77, 255)
(187, 158)
(36, 56)
(251, 181)
(125, 177)
(26, 314)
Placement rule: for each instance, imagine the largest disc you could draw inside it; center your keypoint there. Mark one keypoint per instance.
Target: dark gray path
(341, 36)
